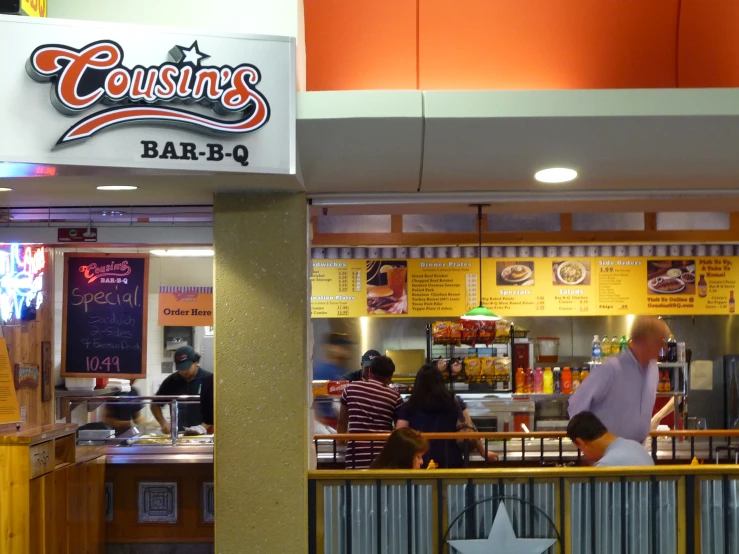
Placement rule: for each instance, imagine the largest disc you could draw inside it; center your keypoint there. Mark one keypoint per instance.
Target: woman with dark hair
(432, 408)
(404, 449)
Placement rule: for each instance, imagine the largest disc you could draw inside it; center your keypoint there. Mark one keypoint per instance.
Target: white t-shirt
(625, 452)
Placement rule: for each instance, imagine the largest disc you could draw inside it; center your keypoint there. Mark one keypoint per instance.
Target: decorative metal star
(502, 539)
(193, 55)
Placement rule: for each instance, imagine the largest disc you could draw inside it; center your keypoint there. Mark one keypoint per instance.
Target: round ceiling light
(117, 187)
(555, 175)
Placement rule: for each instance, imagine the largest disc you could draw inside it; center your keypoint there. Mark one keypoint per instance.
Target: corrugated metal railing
(660, 510)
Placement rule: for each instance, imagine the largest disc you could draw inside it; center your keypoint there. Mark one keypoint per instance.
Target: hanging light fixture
(481, 313)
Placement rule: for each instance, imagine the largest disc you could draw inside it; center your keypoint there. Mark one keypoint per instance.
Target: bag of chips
(470, 331)
(441, 332)
(473, 366)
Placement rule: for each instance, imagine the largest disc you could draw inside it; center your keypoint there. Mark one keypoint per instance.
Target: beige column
(261, 404)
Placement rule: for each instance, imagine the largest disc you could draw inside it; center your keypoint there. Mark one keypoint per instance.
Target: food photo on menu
(386, 287)
(571, 272)
(671, 277)
(514, 273)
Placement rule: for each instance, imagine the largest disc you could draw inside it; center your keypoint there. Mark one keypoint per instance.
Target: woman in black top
(432, 408)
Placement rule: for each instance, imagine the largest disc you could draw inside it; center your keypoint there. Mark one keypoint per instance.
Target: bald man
(621, 391)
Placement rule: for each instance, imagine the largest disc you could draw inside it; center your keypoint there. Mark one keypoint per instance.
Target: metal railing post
(173, 419)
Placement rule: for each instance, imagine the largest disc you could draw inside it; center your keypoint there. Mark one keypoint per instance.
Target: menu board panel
(525, 287)
(442, 286)
(338, 288)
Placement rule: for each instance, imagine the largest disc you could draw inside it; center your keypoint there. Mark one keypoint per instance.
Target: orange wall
(521, 44)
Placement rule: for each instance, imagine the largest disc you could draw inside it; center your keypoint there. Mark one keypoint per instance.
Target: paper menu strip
(9, 412)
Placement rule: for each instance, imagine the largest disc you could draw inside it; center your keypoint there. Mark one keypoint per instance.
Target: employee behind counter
(188, 380)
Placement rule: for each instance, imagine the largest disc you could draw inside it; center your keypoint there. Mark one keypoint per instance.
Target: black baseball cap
(367, 356)
(184, 356)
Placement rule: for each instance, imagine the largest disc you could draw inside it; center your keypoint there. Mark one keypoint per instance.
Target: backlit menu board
(525, 287)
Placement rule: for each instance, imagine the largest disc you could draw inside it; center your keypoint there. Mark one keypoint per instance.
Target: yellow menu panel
(442, 287)
(338, 288)
(447, 288)
(619, 282)
(716, 285)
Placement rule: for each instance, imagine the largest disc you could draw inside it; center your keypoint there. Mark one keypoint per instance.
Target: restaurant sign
(186, 306)
(137, 97)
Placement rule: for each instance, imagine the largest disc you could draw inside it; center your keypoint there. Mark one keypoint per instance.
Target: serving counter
(158, 488)
(52, 493)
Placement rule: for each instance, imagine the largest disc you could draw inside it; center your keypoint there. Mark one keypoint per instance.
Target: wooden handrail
(534, 435)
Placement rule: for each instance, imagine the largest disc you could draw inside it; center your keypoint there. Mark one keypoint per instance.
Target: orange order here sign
(186, 306)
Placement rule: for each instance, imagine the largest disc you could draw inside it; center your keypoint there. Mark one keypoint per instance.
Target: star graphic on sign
(502, 540)
(192, 55)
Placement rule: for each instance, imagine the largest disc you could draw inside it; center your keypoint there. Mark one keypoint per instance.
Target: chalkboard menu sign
(105, 315)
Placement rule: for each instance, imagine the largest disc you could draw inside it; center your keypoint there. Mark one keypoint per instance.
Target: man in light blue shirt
(621, 391)
(603, 448)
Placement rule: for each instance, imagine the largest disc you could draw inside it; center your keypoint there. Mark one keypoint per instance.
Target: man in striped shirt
(369, 407)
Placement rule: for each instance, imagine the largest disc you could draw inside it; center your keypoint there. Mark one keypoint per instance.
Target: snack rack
(463, 381)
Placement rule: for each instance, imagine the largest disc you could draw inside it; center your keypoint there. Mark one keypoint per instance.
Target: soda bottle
(605, 347)
(520, 380)
(575, 379)
(566, 381)
(557, 378)
(615, 346)
(529, 380)
(596, 352)
(672, 349)
(538, 381)
(548, 381)
(624, 344)
(662, 358)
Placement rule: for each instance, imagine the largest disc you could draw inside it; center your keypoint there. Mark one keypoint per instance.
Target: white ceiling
(471, 145)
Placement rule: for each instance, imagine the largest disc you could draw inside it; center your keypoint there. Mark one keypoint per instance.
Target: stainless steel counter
(161, 454)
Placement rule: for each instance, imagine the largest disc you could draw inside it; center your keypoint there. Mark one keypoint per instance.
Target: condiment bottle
(548, 381)
(702, 287)
(575, 379)
(529, 380)
(538, 381)
(520, 380)
(566, 381)
(557, 377)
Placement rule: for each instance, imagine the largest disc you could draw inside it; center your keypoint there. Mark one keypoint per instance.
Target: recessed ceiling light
(555, 175)
(5, 189)
(117, 187)
(184, 253)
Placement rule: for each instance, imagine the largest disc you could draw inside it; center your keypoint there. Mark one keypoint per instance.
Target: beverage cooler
(719, 406)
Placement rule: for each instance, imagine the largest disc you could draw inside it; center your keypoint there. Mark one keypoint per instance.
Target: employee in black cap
(363, 373)
(188, 380)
